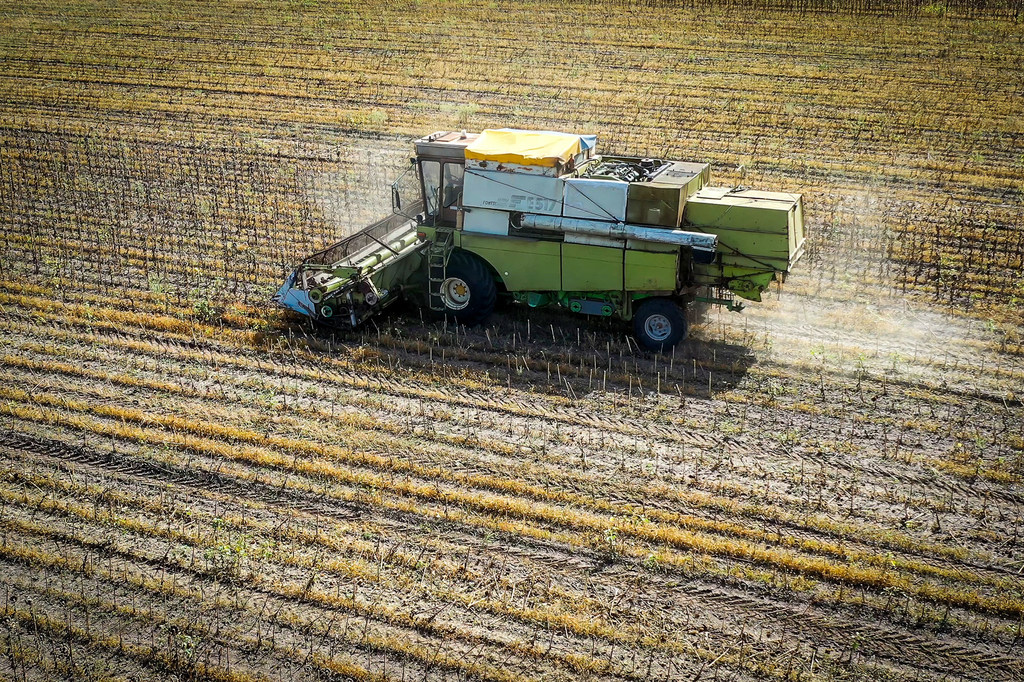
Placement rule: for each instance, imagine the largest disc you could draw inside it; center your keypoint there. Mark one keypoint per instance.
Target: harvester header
(542, 218)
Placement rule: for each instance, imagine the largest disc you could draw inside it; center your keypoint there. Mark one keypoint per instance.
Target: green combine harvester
(541, 217)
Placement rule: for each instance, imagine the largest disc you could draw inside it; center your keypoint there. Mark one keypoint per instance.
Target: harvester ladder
(437, 257)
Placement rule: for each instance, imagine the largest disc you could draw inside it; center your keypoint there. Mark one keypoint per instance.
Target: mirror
(396, 200)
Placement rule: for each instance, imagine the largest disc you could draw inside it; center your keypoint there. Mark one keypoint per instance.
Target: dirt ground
(782, 498)
(195, 485)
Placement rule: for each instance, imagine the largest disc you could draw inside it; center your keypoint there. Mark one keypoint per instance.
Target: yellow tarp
(526, 147)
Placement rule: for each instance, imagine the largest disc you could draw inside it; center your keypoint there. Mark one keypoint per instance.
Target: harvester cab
(440, 163)
(541, 217)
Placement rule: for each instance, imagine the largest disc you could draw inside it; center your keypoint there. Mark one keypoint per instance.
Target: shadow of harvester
(543, 350)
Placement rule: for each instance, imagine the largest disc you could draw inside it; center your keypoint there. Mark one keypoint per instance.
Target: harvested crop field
(195, 485)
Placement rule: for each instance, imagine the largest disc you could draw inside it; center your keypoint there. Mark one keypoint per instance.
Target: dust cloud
(356, 190)
(842, 308)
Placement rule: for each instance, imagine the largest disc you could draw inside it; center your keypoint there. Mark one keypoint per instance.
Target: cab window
(453, 174)
(431, 171)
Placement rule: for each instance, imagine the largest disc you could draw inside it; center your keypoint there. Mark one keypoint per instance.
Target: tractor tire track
(813, 625)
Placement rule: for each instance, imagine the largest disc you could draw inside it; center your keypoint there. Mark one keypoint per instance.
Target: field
(194, 485)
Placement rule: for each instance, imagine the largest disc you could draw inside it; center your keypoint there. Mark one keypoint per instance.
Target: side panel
(503, 191)
(646, 271)
(756, 232)
(638, 245)
(394, 275)
(654, 203)
(591, 268)
(595, 199)
(523, 264)
(796, 233)
(485, 220)
(754, 228)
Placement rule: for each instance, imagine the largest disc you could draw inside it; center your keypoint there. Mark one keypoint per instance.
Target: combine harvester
(542, 217)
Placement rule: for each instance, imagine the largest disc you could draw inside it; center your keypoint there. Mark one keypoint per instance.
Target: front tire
(468, 290)
(659, 324)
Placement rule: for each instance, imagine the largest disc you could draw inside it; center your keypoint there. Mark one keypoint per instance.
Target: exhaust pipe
(698, 241)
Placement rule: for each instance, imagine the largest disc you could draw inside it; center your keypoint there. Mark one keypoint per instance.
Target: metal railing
(353, 244)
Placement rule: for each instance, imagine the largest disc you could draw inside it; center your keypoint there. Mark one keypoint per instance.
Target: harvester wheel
(468, 290)
(659, 324)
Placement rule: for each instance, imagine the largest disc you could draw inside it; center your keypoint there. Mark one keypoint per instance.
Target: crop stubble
(828, 486)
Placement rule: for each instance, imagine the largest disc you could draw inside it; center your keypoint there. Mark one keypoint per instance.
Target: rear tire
(468, 290)
(659, 324)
